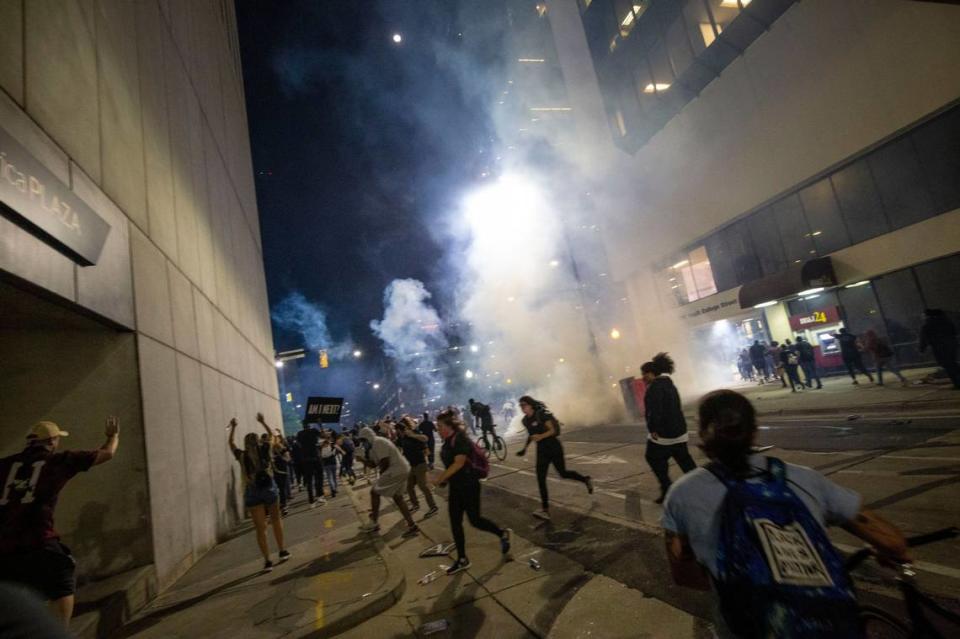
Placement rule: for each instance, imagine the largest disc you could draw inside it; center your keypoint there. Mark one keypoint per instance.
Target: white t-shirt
(383, 448)
(693, 503)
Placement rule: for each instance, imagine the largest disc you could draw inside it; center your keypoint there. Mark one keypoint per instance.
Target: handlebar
(858, 557)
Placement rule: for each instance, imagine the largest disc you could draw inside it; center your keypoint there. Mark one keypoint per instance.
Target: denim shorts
(255, 495)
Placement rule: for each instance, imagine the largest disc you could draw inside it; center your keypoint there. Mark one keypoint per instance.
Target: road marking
(926, 566)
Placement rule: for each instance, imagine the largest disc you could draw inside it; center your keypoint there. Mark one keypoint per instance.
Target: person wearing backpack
(808, 362)
(666, 424)
(754, 527)
(465, 466)
(544, 429)
(791, 364)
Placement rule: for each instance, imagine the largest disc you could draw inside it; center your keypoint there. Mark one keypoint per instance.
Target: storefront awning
(800, 277)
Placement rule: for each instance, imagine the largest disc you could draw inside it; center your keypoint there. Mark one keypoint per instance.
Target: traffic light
(324, 360)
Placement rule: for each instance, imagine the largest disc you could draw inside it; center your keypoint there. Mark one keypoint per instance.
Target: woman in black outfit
(543, 428)
(464, 483)
(668, 428)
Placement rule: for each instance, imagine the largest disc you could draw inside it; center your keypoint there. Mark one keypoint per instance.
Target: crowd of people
(708, 513)
(765, 363)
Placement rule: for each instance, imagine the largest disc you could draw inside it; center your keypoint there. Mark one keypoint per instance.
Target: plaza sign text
(33, 198)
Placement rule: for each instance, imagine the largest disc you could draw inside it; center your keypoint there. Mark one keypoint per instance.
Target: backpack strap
(777, 470)
(721, 472)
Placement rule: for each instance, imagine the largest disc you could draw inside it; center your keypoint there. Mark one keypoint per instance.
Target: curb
(887, 407)
(395, 586)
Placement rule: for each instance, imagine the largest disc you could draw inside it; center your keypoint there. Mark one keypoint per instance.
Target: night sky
(360, 146)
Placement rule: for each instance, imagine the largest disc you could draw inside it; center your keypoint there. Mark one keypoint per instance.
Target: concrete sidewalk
(336, 579)
(840, 395)
(506, 598)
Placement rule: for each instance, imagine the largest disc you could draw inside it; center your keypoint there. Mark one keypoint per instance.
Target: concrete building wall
(138, 106)
(826, 81)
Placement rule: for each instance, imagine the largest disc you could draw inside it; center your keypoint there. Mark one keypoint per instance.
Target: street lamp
(376, 387)
(468, 374)
(278, 364)
(474, 348)
(358, 354)
(615, 334)
(397, 38)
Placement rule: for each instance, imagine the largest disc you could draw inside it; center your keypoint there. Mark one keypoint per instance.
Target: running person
(260, 494)
(30, 548)
(665, 422)
(543, 428)
(464, 484)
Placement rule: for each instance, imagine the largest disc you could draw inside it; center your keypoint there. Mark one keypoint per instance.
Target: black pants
(810, 372)
(946, 357)
(658, 456)
(856, 362)
(465, 498)
(431, 448)
(282, 479)
(761, 368)
(550, 451)
(313, 477)
(346, 466)
(793, 374)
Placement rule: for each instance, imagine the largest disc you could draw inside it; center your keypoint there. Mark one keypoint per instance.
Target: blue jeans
(330, 473)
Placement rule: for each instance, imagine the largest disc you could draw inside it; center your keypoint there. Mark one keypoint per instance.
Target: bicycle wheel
(879, 624)
(482, 443)
(499, 447)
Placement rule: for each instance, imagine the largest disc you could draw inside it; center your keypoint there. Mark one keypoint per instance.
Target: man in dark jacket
(850, 352)
(757, 358)
(791, 364)
(665, 421)
(940, 334)
(808, 363)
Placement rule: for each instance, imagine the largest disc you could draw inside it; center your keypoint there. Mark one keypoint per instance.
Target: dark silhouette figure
(939, 333)
(850, 352)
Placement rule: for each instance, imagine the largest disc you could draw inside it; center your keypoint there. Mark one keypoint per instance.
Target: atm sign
(829, 315)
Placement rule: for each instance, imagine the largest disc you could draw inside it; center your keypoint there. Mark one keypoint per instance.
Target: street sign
(323, 410)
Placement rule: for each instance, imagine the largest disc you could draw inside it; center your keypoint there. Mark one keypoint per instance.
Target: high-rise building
(781, 168)
(131, 272)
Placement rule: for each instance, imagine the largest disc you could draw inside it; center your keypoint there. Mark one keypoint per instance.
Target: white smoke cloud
(412, 334)
(296, 314)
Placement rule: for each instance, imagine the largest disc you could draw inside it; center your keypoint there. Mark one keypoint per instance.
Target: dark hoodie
(663, 410)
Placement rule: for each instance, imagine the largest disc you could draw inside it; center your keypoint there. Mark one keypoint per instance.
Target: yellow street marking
(318, 622)
(328, 523)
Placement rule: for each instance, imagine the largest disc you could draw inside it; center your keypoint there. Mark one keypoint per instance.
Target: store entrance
(63, 366)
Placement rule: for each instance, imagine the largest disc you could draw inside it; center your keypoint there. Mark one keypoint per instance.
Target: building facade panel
(126, 104)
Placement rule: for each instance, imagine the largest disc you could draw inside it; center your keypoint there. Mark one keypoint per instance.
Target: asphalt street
(906, 467)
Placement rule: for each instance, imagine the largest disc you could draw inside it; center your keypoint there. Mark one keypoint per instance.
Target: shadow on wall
(64, 367)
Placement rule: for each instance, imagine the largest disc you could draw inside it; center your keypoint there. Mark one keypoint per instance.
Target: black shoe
(589, 482)
(268, 566)
(284, 556)
(459, 565)
(505, 541)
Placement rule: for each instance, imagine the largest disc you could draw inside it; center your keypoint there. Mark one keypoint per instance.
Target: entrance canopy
(800, 277)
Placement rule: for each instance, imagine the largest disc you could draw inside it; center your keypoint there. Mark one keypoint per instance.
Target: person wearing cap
(30, 548)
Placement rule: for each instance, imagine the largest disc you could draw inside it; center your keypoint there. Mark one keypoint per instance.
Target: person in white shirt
(392, 483)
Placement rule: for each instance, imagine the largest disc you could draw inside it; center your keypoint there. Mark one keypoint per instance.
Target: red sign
(820, 317)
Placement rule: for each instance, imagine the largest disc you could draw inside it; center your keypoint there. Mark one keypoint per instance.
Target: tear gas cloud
(297, 315)
(412, 335)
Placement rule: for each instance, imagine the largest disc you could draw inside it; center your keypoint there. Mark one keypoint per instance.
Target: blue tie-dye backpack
(778, 575)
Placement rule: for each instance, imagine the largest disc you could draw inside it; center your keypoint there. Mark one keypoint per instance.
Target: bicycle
(498, 445)
(877, 623)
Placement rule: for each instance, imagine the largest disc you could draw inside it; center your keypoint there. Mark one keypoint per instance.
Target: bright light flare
(358, 354)
(278, 364)
(615, 334)
(376, 387)
(469, 374)
(397, 38)
(474, 348)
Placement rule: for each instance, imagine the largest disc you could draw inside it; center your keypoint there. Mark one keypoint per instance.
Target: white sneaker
(542, 514)
(370, 526)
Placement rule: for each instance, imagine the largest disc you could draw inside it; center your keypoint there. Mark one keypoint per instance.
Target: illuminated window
(691, 278)
(628, 13)
(621, 125)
